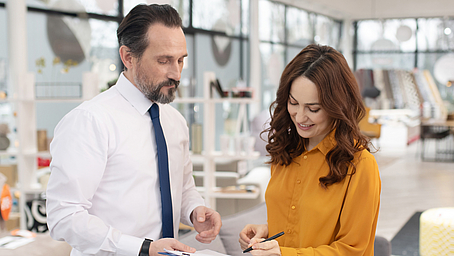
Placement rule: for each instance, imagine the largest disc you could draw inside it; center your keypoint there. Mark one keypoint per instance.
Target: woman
(324, 191)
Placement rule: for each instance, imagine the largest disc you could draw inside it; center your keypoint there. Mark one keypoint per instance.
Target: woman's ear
(126, 56)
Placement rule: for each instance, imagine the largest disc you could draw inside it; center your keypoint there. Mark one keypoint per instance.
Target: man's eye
(162, 62)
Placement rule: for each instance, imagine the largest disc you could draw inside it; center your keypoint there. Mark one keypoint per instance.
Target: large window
(406, 44)
(284, 31)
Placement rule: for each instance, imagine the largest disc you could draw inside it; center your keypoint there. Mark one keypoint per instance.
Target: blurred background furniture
(371, 130)
(440, 132)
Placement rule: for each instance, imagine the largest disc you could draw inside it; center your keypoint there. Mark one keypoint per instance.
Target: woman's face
(311, 120)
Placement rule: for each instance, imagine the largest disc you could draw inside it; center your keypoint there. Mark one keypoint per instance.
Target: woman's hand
(252, 231)
(269, 248)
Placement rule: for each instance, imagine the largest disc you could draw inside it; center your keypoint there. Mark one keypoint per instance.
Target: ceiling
(376, 9)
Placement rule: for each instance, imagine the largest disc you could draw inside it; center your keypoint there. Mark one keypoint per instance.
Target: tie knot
(154, 111)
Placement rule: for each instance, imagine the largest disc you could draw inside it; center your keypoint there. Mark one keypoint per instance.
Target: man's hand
(207, 222)
(169, 244)
(252, 231)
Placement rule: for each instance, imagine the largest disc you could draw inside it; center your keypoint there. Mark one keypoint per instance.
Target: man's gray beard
(153, 92)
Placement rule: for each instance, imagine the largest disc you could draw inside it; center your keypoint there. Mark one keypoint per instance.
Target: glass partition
(299, 27)
(271, 21)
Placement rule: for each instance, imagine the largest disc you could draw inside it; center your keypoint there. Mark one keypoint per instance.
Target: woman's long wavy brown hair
(339, 97)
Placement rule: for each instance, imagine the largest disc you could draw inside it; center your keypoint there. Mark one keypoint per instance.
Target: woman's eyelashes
(314, 110)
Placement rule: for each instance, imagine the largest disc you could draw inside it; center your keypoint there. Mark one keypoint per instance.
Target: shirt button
(289, 231)
(305, 157)
(293, 207)
(298, 181)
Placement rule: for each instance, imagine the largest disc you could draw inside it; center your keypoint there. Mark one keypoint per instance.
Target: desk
(43, 245)
(441, 132)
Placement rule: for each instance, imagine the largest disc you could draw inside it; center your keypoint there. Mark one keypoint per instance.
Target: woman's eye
(314, 110)
(292, 102)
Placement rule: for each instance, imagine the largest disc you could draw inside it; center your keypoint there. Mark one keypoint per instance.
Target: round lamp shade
(444, 68)
(404, 33)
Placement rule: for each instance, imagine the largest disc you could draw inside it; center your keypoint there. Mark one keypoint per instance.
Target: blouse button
(305, 157)
(293, 207)
(289, 231)
(298, 181)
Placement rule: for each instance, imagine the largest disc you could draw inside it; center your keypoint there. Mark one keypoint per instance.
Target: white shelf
(235, 195)
(218, 174)
(220, 158)
(9, 152)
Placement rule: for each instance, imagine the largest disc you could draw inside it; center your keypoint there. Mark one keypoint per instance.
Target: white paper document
(205, 252)
(12, 242)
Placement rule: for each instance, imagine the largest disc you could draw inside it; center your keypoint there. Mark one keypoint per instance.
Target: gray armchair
(227, 240)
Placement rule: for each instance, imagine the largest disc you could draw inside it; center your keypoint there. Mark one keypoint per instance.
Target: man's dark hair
(133, 29)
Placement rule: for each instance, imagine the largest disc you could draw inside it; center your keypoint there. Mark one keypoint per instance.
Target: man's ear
(126, 56)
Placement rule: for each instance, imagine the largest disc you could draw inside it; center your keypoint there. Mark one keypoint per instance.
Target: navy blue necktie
(163, 166)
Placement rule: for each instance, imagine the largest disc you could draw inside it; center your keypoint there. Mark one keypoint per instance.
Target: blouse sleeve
(359, 215)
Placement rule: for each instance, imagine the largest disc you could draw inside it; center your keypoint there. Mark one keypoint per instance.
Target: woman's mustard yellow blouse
(339, 220)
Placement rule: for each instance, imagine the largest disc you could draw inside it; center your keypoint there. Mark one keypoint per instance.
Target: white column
(17, 44)
(21, 87)
(255, 62)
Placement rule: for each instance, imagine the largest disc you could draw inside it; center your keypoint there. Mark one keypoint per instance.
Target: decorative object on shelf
(225, 144)
(3, 95)
(217, 85)
(196, 138)
(35, 215)
(42, 140)
(54, 87)
(10, 172)
(6, 201)
(4, 141)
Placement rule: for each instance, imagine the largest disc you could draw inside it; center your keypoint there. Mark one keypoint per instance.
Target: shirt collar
(327, 143)
(133, 95)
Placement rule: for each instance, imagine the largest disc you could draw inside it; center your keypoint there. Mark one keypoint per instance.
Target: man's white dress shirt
(103, 195)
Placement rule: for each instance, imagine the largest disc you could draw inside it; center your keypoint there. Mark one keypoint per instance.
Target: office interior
(55, 54)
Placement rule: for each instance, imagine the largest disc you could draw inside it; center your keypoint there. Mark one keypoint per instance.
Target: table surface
(43, 245)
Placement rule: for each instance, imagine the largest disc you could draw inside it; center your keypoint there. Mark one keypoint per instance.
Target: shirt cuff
(129, 245)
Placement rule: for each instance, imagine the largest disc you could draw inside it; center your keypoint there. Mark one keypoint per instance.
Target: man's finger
(200, 214)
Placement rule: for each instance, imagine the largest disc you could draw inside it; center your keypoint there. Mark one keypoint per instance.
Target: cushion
(233, 224)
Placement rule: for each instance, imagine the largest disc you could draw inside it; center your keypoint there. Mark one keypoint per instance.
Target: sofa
(227, 240)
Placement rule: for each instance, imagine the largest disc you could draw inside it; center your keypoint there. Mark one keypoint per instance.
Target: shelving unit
(24, 149)
(209, 156)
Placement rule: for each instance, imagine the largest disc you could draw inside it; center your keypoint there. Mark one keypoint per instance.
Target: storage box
(10, 171)
(13, 221)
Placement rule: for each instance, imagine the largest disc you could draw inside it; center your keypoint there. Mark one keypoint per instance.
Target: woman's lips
(305, 127)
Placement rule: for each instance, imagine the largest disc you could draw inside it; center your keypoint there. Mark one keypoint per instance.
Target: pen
(268, 239)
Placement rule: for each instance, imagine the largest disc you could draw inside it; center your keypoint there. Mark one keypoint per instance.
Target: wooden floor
(410, 185)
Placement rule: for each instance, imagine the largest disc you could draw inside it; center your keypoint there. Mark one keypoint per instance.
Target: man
(104, 193)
